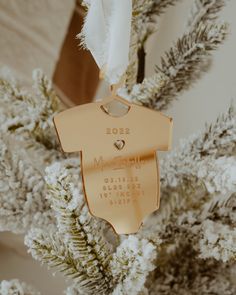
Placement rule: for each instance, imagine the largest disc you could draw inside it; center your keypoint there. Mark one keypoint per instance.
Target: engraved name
(118, 162)
(117, 131)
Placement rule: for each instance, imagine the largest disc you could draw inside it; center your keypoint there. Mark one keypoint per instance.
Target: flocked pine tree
(15, 286)
(188, 246)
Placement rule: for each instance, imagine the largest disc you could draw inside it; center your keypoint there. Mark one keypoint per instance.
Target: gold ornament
(117, 141)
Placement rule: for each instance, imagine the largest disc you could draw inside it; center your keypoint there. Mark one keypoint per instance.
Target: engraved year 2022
(117, 131)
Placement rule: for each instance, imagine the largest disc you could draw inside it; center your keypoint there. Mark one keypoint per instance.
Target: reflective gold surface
(118, 153)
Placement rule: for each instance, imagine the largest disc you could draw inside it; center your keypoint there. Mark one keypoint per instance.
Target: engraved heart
(119, 144)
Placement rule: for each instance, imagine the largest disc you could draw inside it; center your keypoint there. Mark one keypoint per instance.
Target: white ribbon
(106, 33)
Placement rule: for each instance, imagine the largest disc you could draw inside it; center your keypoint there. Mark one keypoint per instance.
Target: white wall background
(209, 97)
(31, 34)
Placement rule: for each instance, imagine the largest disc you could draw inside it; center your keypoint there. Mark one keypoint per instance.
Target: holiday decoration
(120, 177)
(188, 246)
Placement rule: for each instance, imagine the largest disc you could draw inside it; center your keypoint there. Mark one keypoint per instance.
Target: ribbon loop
(106, 33)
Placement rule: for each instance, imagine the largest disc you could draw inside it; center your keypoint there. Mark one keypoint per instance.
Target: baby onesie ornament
(118, 157)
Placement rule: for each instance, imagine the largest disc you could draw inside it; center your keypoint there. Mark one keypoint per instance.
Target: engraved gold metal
(118, 158)
(119, 144)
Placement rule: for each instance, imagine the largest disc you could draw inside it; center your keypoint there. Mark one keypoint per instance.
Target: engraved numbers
(117, 131)
(121, 190)
(121, 179)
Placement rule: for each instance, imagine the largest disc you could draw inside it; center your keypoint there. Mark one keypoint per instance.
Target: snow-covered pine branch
(22, 187)
(131, 264)
(182, 65)
(86, 254)
(144, 23)
(216, 143)
(145, 15)
(28, 143)
(79, 248)
(13, 287)
(205, 11)
(28, 112)
(185, 61)
(181, 272)
(198, 193)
